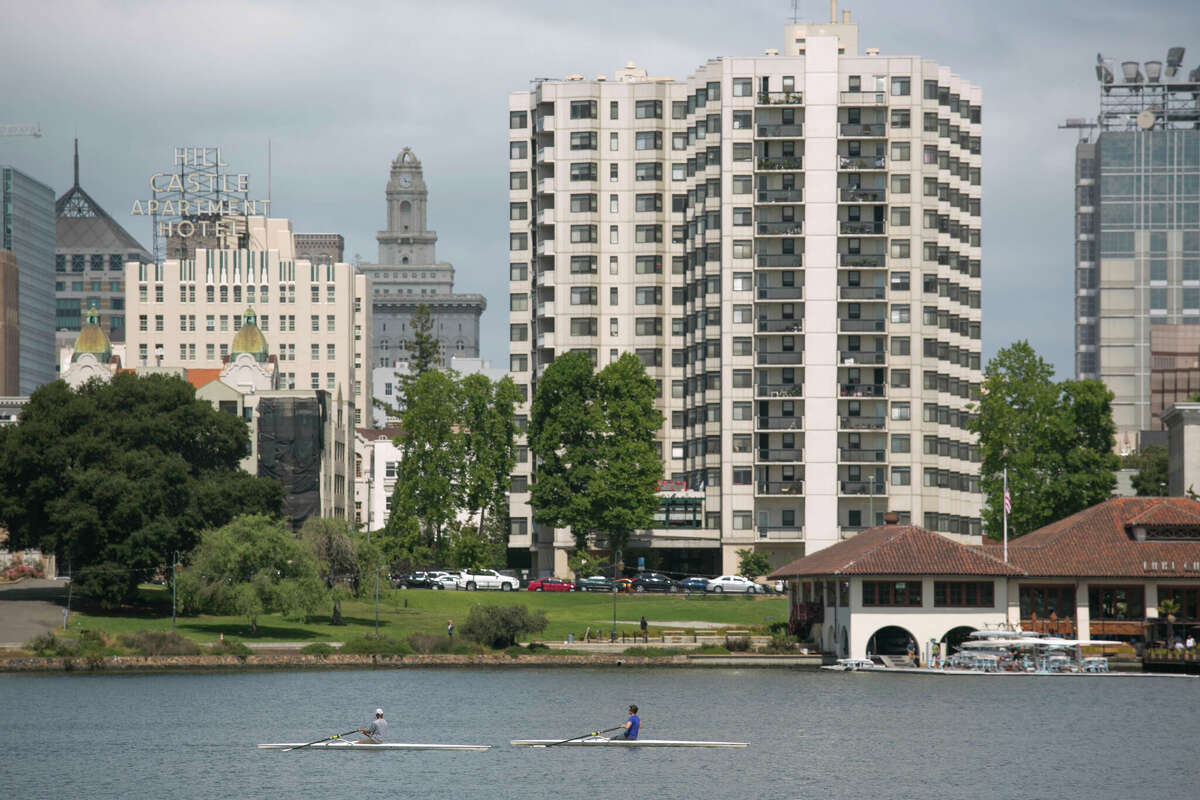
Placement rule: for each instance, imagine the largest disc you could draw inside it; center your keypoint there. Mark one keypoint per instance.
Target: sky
(340, 88)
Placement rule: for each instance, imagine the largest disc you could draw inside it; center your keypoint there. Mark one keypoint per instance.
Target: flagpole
(1006, 501)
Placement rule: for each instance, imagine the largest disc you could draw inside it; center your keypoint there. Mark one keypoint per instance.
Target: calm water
(811, 734)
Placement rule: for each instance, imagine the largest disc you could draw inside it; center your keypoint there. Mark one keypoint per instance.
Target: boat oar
(586, 735)
(318, 741)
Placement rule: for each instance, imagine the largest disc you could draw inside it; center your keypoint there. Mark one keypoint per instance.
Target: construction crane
(21, 130)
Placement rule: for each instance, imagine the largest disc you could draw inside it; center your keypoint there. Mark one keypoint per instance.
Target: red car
(551, 585)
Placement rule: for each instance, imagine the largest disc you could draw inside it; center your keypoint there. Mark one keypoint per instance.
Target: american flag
(1007, 498)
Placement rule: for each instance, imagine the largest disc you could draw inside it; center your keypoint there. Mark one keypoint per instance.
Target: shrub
(159, 643)
(18, 571)
(230, 647)
(372, 646)
(47, 645)
(499, 627)
(737, 644)
(318, 649)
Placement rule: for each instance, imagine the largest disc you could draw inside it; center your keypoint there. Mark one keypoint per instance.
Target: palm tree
(1168, 608)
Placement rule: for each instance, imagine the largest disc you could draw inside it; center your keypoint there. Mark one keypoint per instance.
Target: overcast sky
(340, 88)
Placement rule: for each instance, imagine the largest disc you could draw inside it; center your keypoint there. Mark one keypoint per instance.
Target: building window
(1117, 602)
(583, 109)
(518, 119)
(891, 593)
(965, 594)
(1046, 601)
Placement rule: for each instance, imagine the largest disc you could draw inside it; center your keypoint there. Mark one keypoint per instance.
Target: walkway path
(29, 608)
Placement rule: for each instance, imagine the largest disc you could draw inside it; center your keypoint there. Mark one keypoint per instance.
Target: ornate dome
(249, 339)
(91, 339)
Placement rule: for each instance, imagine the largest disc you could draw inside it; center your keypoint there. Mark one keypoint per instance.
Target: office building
(1174, 370)
(320, 248)
(791, 244)
(90, 252)
(1137, 228)
(10, 328)
(27, 230)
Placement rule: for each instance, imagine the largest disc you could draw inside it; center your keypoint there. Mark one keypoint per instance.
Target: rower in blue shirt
(632, 724)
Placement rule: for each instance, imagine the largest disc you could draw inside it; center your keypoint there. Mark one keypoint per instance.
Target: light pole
(174, 587)
(616, 560)
(377, 602)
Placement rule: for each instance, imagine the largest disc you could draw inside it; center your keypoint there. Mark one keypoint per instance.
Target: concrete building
(1182, 422)
(10, 326)
(184, 313)
(90, 252)
(408, 275)
(27, 230)
(376, 458)
(1137, 229)
(791, 244)
(1174, 368)
(385, 381)
(320, 248)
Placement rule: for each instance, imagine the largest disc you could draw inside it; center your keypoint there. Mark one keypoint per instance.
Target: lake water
(811, 734)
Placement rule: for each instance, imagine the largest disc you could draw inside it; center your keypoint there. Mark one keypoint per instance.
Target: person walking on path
(375, 732)
(643, 624)
(632, 724)
(450, 628)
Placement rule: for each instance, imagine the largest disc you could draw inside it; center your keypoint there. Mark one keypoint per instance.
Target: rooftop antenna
(795, 12)
(76, 162)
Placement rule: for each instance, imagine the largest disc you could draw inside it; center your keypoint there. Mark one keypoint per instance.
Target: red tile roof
(198, 377)
(897, 550)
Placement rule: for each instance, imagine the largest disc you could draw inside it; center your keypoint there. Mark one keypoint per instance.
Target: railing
(545, 153)
(863, 196)
(780, 163)
(780, 260)
(862, 292)
(861, 325)
(780, 131)
(862, 423)
(858, 456)
(781, 487)
(862, 162)
(862, 390)
(863, 129)
(861, 259)
(779, 292)
(780, 454)
(792, 228)
(863, 98)
(780, 423)
(861, 227)
(781, 195)
(778, 532)
(780, 98)
(855, 357)
(785, 357)
(872, 488)
(785, 390)
(780, 325)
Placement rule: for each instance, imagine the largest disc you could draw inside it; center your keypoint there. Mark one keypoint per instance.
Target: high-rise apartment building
(1137, 229)
(791, 244)
(27, 229)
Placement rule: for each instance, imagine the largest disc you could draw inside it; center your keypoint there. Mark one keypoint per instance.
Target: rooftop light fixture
(1132, 71)
(1174, 60)
(1153, 71)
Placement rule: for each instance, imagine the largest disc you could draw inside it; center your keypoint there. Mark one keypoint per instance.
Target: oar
(586, 735)
(318, 741)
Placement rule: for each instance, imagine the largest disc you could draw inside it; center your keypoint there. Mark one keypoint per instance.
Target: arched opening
(404, 260)
(890, 640)
(956, 636)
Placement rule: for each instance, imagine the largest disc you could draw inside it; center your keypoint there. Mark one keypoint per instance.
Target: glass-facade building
(27, 229)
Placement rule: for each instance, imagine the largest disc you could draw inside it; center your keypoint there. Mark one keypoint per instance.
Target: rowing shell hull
(383, 746)
(597, 742)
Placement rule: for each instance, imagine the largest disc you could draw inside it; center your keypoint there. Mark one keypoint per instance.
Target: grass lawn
(402, 612)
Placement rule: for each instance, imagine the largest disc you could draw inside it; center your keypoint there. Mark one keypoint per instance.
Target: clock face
(405, 180)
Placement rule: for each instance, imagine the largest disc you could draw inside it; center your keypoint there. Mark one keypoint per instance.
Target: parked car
(416, 580)
(654, 582)
(487, 579)
(694, 584)
(447, 580)
(551, 585)
(734, 583)
(596, 583)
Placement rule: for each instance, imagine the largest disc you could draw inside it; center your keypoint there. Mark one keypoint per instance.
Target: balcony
(545, 339)
(780, 325)
(862, 389)
(861, 227)
(856, 456)
(863, 488)
(788, 260)
(545, 154)
(789, 164)
(784, 357)
(780, 292)
(779, 454)
(780, 487)
(854, 357)
(861, 325)
(546, 309)
(545, 216)
(862, 423)
(863, 196)
(781, 196)
(861, 259)
(766, 423)
(863, 129)
(862, 162)
(779, 390)
(790, 228)
(546, 185)
(780, 98)
(544, 124)
(545, 247)
(862, 292)
(779, 131)
(780, 534)
(863, 98)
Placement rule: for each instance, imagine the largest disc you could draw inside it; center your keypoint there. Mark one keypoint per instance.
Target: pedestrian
(935, 653)
(643, 624)
(375, 731)
(1190, 644)
(911, 647)
(450, 628)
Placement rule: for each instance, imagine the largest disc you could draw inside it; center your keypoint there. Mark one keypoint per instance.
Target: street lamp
(174, 588)
(616, 561)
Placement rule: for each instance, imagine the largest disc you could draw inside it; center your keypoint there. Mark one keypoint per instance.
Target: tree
(1151, 465)
(250, 567)
(1055, 439)
(116, 477)
(424, 352)
(469, 548)
(594, 436)
(499, 627)
(752, 563)
(333, 547)
(489, 451)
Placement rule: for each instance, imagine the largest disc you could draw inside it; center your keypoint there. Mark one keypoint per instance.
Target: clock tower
(406, 240)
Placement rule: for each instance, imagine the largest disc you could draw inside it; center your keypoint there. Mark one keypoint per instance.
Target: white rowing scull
(345, 745)
(600, 741)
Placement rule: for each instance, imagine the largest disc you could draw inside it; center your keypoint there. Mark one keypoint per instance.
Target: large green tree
(332, 544)
(1150, 480)
(489, 450)
(593, 434)
(1055, 439)
(116, 477)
